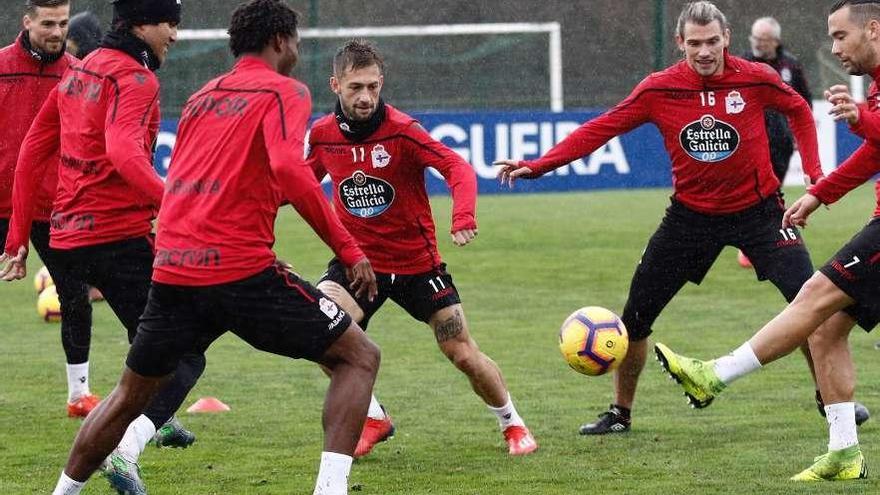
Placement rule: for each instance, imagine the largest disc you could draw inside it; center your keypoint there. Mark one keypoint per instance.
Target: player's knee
(636, 329)
(465, 357)
(814, 294)
(135, 391)
(372, 357)
(365, 356)
(827, 339)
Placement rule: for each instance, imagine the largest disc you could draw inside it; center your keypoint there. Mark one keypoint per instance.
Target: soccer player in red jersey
(29, 69)
(846, 290)
(709, 108)
(239, 155)
(376, 156)
(102, 120)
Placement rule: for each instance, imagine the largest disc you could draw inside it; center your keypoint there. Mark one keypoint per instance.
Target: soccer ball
(593, 341)
(42, 280)
(48, 305)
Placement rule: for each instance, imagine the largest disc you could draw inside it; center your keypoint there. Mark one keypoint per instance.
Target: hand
(463, 237)
(363, 280)
(287, 266)
(798, 213)
(511, 170)
(845, 107)
(13, 267)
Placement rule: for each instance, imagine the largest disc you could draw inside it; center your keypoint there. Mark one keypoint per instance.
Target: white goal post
(553, 30)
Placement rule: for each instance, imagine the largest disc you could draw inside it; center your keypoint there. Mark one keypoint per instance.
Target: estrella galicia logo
(709, 139)
(366, 196)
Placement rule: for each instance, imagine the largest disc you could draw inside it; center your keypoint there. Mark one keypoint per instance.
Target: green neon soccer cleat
(698, 379)
(846, 464)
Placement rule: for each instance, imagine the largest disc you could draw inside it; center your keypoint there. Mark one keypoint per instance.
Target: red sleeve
(40, 147)
(626, 116)
(800, 120)
(127, 132)
(868, 126)
(459, 175)
(855, 171)
(284, 144)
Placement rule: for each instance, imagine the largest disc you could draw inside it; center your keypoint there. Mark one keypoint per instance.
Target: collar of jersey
(359, 131)
(252, 62)
(133, 46)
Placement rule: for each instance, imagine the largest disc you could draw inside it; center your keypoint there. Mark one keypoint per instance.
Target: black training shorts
(687, 243)
(274, 311)
(855, 269)
(420, 295)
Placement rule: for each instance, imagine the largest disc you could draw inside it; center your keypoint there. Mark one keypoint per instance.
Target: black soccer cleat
(862, 412)
(611, 421)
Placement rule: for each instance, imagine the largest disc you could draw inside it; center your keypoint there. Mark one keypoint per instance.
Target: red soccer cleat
(81, 407)
(375, 431)
(520, 440)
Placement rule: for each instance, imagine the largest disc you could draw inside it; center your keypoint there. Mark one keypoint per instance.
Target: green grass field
(538, 258)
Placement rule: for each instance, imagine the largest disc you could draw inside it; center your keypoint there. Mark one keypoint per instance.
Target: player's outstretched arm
(511, 170)
(797, 214)
(13, 267)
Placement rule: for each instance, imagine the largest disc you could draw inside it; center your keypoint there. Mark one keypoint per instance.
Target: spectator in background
(766, 41)
(84, 34)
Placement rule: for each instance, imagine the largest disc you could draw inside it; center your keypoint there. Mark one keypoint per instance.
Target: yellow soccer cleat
(698, 378)
(837, 465)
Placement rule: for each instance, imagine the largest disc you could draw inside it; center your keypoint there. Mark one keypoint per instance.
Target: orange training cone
(208, 405)
(743, 260)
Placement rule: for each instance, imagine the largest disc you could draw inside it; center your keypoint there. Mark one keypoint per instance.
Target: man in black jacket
(767, 47)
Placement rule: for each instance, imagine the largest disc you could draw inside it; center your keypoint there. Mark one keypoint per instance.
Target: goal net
(504, 66)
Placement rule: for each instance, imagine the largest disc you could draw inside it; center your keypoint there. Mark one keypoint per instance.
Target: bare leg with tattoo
(452, 335)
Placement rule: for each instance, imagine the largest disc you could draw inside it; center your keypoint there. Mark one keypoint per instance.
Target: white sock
(841, 425)
(77, 381)
(333, 474)
(507, 415)
(139, 432)
(737, 364)
(67, 486)
(375, 410)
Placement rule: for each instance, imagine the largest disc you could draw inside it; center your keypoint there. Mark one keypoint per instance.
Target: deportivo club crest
(734, 102)
(381, 158)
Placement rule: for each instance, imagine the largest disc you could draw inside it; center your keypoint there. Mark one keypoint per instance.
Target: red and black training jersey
(379, 189)
(864, 163)
(25, 83)
(102, 119)
(713, 129)
(239, 154)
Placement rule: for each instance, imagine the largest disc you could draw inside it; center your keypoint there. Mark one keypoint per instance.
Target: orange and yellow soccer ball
(593, 341)
(48, 305)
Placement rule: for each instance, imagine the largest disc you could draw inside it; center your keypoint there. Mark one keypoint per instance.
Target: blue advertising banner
(633, 160)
